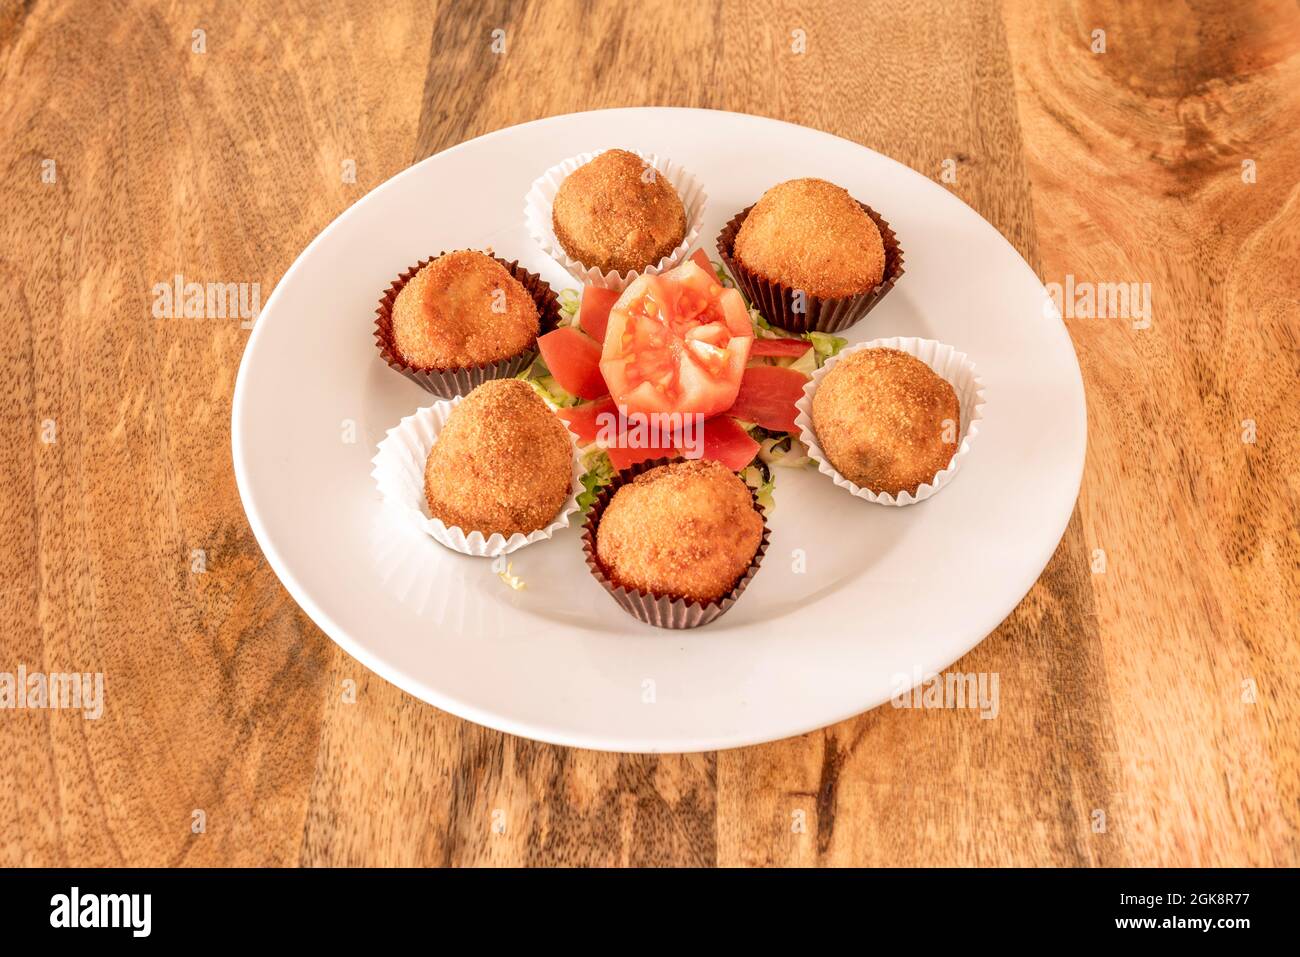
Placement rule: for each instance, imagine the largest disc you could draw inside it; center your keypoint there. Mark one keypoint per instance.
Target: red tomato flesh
(574, 360)
(622, 458)
(723, 440)
(599, 421)
(780, 347)
(726, 442)
(584, 420)
(767, 396)
(676, 343)
(701, 259)
(593, 315)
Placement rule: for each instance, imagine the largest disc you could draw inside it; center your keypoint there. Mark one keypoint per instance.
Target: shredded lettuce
(759, 478)
(778, 448)
(599, 472)
(784, 451)
(570, 301)
(508, 576)
(551, 390)
(544, 384)
(825, 345)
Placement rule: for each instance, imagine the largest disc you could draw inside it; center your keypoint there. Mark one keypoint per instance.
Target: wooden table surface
(1149, 681)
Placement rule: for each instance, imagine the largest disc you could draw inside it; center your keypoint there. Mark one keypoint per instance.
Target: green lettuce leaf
(544, 384)
(759, 478)
(570, 301)
(825, 345)
(599, 472)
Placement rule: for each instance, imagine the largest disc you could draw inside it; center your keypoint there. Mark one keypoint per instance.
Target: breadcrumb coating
(502, 463)
(886, 421)
(812, 235)
(687, 529)
(611, 215)
(463, 309)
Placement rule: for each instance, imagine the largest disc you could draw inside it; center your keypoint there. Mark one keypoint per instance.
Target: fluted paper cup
(399, 475)
(540, 201)
(776, 300)
(662, 611)
(449, 382)
(947, 363)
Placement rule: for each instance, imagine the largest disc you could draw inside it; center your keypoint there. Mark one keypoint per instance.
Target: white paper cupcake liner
(399, 474)
(541, 198)
(947, 363)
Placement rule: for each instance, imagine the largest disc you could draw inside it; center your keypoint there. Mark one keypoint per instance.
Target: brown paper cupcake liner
(776, 301)
(662, 611)
(446, 383)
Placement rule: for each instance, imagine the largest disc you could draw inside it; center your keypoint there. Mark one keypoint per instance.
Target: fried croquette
(686, 529)
(502, 463)
(618, 213)
(812, 235)
(885, 420)
(463, 309)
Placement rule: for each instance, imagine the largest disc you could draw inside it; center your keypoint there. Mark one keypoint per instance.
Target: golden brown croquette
(618, 213)
(502, 463)
(687, 529)
(463, 309)
(812, 235)
(885, 420)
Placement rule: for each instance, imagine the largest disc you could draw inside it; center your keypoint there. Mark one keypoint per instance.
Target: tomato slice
(593, 315)
(677, 342)
(622, 458)
(723, 440)
(726, 442)
(701, 259)
(599, 422)
(767, 396)
(574, 360)
(584, 420)
(780, 347)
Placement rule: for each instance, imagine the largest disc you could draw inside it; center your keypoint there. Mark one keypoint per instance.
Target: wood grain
(1126, 691)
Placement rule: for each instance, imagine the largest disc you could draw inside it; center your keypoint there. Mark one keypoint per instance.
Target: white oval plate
(851, 596)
